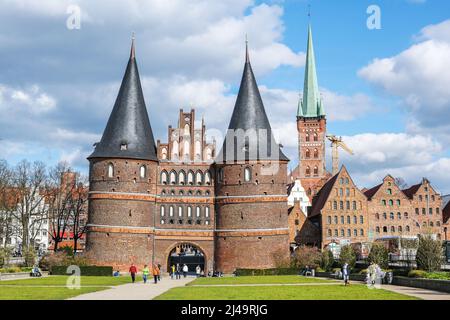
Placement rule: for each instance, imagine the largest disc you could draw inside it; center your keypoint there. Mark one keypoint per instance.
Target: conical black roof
(249, 116)
(128, 134)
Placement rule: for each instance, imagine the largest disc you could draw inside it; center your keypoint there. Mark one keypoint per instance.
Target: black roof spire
(128, 134)
(249, 115)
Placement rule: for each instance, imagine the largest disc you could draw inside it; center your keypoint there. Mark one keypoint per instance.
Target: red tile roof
(371, 192)
(411, 191)
(321, 198)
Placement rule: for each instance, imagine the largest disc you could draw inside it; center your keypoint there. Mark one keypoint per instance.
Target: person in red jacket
(133, 271)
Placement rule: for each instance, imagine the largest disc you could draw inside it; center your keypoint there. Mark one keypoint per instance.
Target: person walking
(172, 269)
(155, 272)
(159, 272)
(133, 271)
(178, 272)
(198, 271)
(145, 273)
(185, 270)
(346, 274)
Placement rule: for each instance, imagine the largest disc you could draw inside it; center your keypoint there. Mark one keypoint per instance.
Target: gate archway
(189, 254)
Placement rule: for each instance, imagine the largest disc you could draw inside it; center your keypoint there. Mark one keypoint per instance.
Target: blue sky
(385, 91)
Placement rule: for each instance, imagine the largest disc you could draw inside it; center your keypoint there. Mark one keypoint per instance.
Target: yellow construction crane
(335, 143)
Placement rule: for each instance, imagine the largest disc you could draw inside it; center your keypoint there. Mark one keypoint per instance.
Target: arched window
(361, 219)
(391, 215)
(307, 137)
(361, 232)
(392, 229)
(389, 191)
(400, 229)
(197, 212)
(384, 215)
(189, 212)
(208, 153)
(143, 171)
(383, 202)
(308, 171)
(164, 177)
(173, 177)
(391, 203)
(342, 233)
(182, 177)
(377, 229)
(198, 150)
(190, 178)
(198, 177)
(186, 148)
(354, 205)
(377, 216)
(335, 219)
(247, 174)
(335, 205)
(406, 215)
(164, 153)
(162, 211)
(207, 212)
(355, 232)
(341, 205)
(316, 138)
(171, 211)
(180, 211)
(329, 219)
(316, 171)
(355, 219)
(385, 229)
(329, 232)
(407, 229)
(110, 170)
(399, 216)
(186, 130)
(207, 178)
(316, 153)
(308, 154)
(175, 150)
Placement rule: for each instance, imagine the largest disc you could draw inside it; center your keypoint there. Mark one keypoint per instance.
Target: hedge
(266, 272)
(85, 270)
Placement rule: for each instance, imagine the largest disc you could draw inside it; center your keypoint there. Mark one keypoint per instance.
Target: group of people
(155, 270)
(374, 273)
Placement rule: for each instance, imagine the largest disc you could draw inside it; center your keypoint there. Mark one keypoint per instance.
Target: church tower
(251, 208)
(311, 127)
(122, 181)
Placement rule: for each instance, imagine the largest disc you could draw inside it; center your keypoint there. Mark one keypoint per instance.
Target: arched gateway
(189, 254)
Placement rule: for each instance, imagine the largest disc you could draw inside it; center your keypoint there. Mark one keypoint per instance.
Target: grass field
(256, 280)
(54, 287)
(301, 288)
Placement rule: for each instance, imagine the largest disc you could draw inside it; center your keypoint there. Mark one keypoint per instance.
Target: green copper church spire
(311, 105)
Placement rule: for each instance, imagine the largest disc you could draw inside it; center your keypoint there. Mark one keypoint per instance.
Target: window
(400, 229)
(420, 198)
(341, 205)
(190, 179)
(354, 205)
(341, 181)
(349, 233)
(430, 210)
(143, 171)
(189, 212)
(329, 219)
(431, 224)
(355, 232)
(361, 232)
(392, 229)
(164, 177)
(391, 215)
(398, 202)
(361, 219)
(389, 191)
(335, 220)
(342, 219)
(316, 138)
(399, 216)
(438, 223)
(348, 220)
(355, 219)
(391, 202)
(417, 210)
(406, 215)
(316, 171)
(308, 171)
(383, 202)
(197, 212)
(307, 137)
(207, 178)
(437, 210)
(432, 198)
(342, 233)
(207, 212)
(341, 192)
(334, 205)
(162, 211)
(336, 233)
(180, 212)
(247, 174)
(377, 216)
(171, 211)
(347, 205)
(110, 170)
(347, 192)
(385, 229)
(377, 229)
(199, 177)
(424, 212)
(316, 153)
(182, 178)
(384, 215)
(173, 177)
(308, 154)
(407, 229)
(329, 232)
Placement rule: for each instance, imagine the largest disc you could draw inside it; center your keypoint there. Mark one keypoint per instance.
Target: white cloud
(13, 100)
(419, 76)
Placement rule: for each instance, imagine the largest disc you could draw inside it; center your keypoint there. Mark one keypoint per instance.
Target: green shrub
(306, 256)
(347, 255)
(327, 260)
(438, 275)
(379, 255)
(85, 270)
(29, 256)
(429, 254)
(363, 271)
(66, 249)
(417, 274)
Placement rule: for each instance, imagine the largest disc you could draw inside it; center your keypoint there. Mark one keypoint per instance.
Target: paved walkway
(135, 291)
(417, 292)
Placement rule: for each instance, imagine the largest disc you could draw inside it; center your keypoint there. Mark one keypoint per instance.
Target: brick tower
(311, 127)
(251, 208)
(122, 181)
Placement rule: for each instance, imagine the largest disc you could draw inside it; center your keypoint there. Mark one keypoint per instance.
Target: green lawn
(257, 280)
(307, 292)
(302, 288)
(54, 287)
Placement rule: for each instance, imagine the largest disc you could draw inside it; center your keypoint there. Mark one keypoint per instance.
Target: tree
(327, 260)
(79, 213)
(347, 255)
(429, 254)
(8, 203)
(401, 183)
(29, 182)
(306, 256)
(379, 255)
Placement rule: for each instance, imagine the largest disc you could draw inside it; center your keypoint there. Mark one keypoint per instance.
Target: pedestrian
(178, 272)
(198, 271)
(155, 272)
(159, 272)
(133, 271)
(185, 270)
(145, 273)
(172, 269)
(345, 273)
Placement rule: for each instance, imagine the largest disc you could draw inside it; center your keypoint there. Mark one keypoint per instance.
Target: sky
(386, 91)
